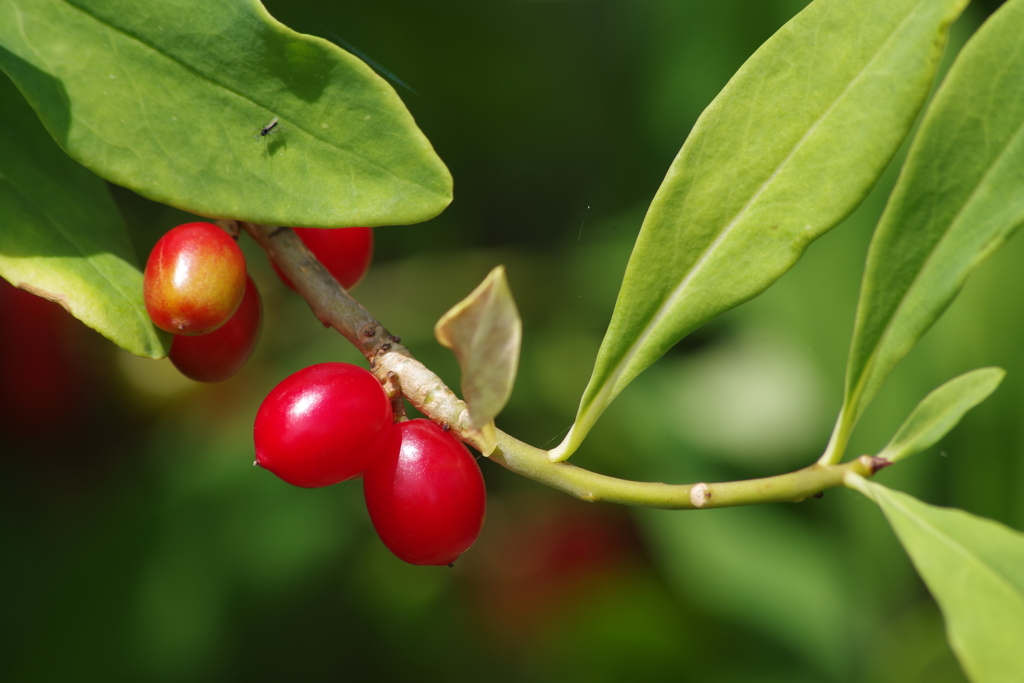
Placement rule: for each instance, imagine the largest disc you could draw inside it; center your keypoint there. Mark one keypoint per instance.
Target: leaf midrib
(677, 291)
(961, 550)
(887, 329)
(218, 84)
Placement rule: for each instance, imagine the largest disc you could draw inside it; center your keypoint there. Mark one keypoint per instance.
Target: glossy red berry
(215, 356)
(194, 280)
(322, 425)
(425, 494)
(345, 252)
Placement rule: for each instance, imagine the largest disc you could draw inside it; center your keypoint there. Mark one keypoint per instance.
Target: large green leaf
(940, 411)
(62, 237)
(959, 197)
(786, 151)
(975, 569)
(165, 98)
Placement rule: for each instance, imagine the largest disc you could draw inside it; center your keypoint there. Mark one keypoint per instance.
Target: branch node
(879, 463)
(392, 386)
(700, 495)
(873, 463)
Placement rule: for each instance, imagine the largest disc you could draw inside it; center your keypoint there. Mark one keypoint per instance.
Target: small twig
(402, 375)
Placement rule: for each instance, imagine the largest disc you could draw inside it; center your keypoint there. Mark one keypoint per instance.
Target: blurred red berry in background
(543, 557)
(42, 382)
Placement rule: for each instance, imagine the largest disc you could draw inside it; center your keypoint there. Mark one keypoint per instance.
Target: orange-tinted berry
(215, 356)
(195, 279)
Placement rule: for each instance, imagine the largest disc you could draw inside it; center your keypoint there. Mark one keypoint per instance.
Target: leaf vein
(59, 230)
(961, 550)
(677, 292)
(890, 320)
(209, 79)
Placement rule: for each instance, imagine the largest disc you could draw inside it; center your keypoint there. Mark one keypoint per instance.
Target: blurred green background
(141, 545)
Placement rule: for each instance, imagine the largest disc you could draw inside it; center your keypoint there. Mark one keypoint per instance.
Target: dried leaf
(484, 331)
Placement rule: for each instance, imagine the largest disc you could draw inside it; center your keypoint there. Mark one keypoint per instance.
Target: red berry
(345, 252)
(425, 494)
(322, 425)
(195, 279)
(218, 355)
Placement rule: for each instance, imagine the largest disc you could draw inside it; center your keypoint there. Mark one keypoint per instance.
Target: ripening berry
(194, 280)
(215, 356)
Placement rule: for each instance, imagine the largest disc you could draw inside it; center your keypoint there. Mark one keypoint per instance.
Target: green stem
(396, 367)
(837, 443)
(592, 487)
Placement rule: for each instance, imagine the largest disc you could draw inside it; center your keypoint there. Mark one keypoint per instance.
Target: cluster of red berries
(331, 422)
(196, 287)
(328, 422)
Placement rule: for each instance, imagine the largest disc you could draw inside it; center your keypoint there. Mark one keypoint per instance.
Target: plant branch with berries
(395, 366)
(793, 143)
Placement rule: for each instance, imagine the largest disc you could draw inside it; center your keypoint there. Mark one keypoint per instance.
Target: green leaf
(974, 567)
(165, 98)
(940, 411)
(485, 332)
(787, 150)
(959, 198)
(62, 237)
